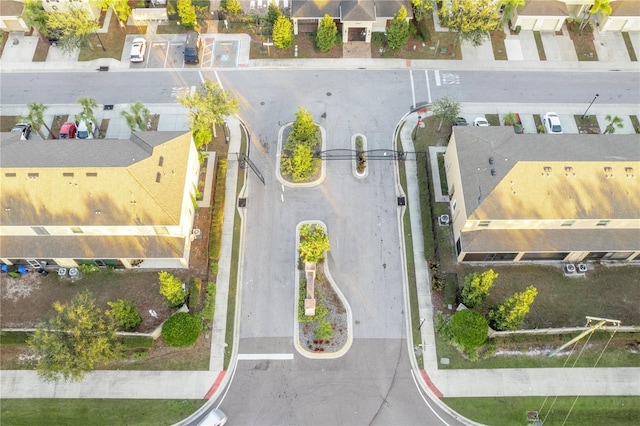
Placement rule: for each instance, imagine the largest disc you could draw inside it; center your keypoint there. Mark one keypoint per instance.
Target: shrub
(125, 313)
(469, 330)
(217, 215)
(321, 310)
(182, 329)
(314, 242)
(195, 286)
(171, 289)
(324, 330)
(87, 269)
(326, 36)
(518, 29)
(283, 32)
(476, 287)
(214, 268)
(187, 13)
(209, 303)
(509, 315)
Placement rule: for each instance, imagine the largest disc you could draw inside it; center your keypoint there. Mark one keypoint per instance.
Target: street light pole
(594, 99)
(104, 49)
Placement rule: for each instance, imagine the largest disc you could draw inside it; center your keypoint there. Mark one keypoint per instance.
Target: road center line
(260, 357)
(437, 74)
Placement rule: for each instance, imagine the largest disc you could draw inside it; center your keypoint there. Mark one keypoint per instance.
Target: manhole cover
(242, 202)
(328, 93)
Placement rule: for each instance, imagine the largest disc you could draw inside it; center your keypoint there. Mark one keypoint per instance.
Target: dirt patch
(58, 121)
(337, 316)
(583, 41)
(42, 50)
(497, 43)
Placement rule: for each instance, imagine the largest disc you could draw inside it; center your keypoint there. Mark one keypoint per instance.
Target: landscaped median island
(323, 319)
(298, 162)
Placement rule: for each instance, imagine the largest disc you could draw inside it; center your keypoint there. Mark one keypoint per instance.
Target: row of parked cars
(191, 48)
(550, 120)
(82, 129)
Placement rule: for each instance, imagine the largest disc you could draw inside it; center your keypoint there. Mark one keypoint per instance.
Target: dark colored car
(517, 125)
(192, 48)
(24, 128)
(460, 121)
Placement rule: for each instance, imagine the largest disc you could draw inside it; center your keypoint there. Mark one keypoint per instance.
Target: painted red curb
(215, 385)
(430, 384)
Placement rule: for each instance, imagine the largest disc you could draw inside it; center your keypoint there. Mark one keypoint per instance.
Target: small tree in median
(398, 30)
(35, 117)
(171, 289)
(314, 242)
(298, 158)
(476, 287)
(283, 32)
(125, 313)
(75, 340)
(327, 33)
(88, 105)
(614, 121)
(509, 315)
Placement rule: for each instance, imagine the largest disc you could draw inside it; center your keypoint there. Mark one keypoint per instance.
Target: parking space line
(413, 89)
(437, 74)
(426, 76)
(262, 357)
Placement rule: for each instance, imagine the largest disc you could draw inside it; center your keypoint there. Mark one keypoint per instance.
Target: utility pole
(600, 323)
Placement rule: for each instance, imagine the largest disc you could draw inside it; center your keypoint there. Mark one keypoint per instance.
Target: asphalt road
(481, 86)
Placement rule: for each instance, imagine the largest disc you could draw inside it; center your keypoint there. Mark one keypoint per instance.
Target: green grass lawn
(567, 411)
(96, 412)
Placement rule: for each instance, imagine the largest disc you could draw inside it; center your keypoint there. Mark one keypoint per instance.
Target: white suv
(552, 123)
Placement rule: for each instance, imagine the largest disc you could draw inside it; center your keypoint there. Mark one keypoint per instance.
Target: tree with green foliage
(182, 329)
(420, 8)
(509, 315)
(125, 313)
(469, 330)
(78, 338)
(614, 121)
(598, 6)
(233, 7)
(35, 16)
(327, 33)
(187, 13)
(509, 7)
(35, 117)
(88, 105)
(138, 117)
(208, 105)
(273, 13)
(121, 7)
(398, 30)
(509, 119)
(300, 164)
(283, 32)
(471, 19)
(172, 289)
(304, 129)
(476, 287)
(446, 109)
(75, 24)
(314, 242)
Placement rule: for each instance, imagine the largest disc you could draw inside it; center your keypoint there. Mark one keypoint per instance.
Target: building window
(484, 223)
(92, 174)
(161, 161)
(67, 174)
(9, 175)
(76, 230)
(604, 222)
(158, 177)
(40, 230)
(568, 222)
(454, 204)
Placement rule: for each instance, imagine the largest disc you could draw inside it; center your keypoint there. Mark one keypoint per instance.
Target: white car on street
(552, 123)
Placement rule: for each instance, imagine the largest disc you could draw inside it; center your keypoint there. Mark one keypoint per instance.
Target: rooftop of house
(349, 10)
(625, 8)
(543, 177)
(543, 8)
(96, 182)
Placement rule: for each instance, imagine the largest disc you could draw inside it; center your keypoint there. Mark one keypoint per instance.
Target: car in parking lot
(138, 49)
(517, 124)
(24, 129)
(85, 130)
(192, 48)
(68, 130)
(460, 121)
(552, 124)
(480, 122)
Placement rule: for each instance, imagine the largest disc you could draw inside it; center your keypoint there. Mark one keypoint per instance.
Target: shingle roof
(548, 176)
(543, 8)
(352, 10)
(625, 8)
(357, 10)
(97, 182)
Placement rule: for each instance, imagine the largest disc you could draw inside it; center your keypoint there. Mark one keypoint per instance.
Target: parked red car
(68, 130)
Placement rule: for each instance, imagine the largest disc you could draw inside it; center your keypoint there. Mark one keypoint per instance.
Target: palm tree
(602, 6)
(35, 117)
(138, 118)
(509, 119)
(88, 104)
(614, 122)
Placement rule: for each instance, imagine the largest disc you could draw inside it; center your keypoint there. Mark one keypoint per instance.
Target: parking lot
(168, 52)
